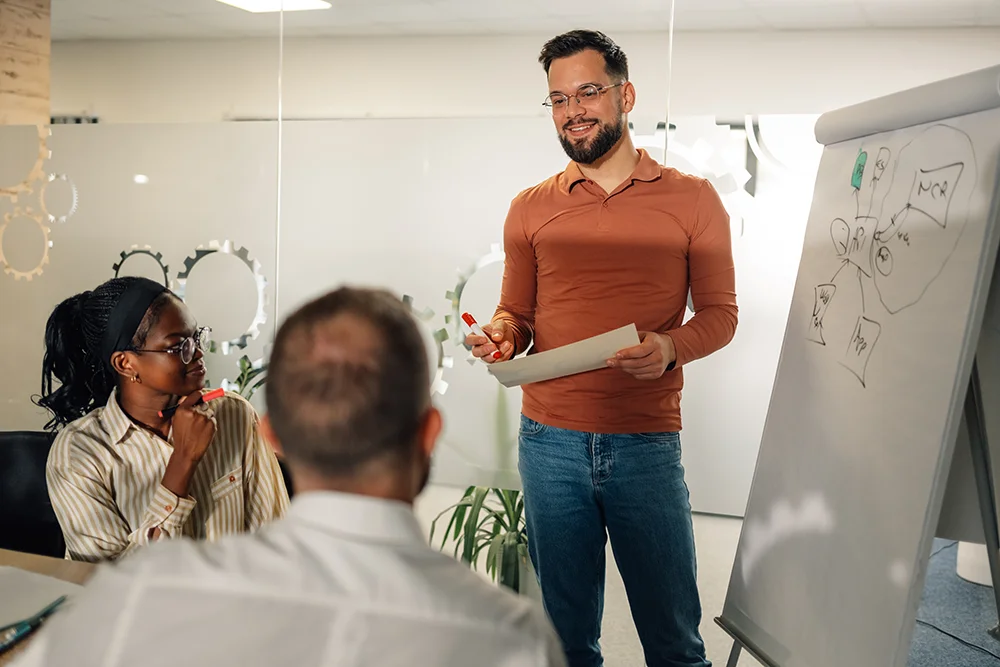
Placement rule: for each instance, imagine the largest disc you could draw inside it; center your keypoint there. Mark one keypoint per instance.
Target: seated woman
(120, 475)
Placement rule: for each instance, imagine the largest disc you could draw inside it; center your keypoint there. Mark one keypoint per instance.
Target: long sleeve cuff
(709, 330)
(168, 512)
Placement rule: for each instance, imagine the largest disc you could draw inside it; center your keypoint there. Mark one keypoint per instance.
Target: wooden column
(25, 53)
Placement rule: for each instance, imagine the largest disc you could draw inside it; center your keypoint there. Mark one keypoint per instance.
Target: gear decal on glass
(454, 318)
(700, 146)
(144, 250)
(425, 316)
(37, 172)
(241, 253)
(73, 206)
(46, 243)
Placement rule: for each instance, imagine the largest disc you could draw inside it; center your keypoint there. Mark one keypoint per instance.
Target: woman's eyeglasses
(186, 349)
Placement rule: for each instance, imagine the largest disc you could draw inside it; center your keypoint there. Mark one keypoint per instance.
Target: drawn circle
(59, 194)
(14, 236)
(883, 261)
(840, 234)
(146, 264)
(221, 286)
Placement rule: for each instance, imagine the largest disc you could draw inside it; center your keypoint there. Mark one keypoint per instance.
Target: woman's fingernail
(497, 354)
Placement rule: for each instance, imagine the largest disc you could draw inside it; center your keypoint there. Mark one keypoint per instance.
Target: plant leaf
(472, 523)
(511, 566)
(448, 529)
(496, 544)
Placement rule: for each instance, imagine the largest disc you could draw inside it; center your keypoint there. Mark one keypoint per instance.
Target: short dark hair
(573, 42)
(348, 382)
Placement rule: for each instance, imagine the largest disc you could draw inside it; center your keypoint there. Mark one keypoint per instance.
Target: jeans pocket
(530, 426)
(667, 438)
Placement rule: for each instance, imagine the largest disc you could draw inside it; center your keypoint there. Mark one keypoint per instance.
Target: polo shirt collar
(647, 170)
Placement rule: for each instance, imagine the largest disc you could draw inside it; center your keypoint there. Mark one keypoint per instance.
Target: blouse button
(232, 478)
(168, 507)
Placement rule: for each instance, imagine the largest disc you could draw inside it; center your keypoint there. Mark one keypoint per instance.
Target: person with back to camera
(119, 474)
(614, 239)
(347, 577)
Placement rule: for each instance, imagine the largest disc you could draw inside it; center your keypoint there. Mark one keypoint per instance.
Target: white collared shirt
(342, 580)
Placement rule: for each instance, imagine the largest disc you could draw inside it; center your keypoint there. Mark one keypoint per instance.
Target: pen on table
(478, 330)
(205, 398)
(12, 634)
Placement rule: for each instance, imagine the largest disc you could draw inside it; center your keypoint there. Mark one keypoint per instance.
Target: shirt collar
(647, 170)
(362, 517)
(114, 419)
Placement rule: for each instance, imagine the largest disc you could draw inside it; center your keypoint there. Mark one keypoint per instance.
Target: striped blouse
(104, 476)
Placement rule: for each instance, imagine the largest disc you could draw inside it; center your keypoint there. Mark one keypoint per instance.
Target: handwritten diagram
(908, 216)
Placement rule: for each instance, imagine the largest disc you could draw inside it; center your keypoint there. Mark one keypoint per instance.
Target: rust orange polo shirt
(580, 262)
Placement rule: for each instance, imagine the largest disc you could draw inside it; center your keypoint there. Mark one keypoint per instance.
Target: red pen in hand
(205, 398)
(478, 330)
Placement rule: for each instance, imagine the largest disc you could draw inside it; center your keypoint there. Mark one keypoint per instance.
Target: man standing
(614, 239)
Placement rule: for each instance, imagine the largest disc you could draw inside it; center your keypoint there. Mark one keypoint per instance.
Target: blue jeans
(580, 488)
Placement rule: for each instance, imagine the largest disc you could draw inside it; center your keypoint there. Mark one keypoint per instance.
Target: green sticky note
(858, 177)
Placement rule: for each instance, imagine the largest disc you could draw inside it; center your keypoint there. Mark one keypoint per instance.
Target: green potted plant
(491, 520)
(252, 376)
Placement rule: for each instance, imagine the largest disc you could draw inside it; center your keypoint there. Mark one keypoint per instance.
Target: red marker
(478, 330)
(205, 398)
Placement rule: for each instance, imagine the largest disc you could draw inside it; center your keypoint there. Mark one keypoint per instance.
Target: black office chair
(287, 477)
(27, 522)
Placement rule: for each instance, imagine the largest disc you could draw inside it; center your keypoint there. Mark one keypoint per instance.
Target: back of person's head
(348, 392)
(77, 346)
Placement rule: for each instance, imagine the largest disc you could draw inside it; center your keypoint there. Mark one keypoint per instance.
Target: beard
(607, 137)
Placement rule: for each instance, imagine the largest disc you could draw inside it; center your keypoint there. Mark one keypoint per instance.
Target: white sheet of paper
(585, 355)
(23, 594)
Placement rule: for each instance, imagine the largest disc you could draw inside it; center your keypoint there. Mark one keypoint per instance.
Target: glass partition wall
(146, 168)
(251, 161)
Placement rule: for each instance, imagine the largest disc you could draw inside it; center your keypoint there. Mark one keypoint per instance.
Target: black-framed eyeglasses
(586, 96)
(186, 349)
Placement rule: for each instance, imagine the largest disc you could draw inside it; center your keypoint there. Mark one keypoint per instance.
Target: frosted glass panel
(192, 206)
(418, 206)
(726, 395)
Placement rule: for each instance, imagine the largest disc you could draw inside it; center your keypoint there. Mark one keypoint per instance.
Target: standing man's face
(589, 130)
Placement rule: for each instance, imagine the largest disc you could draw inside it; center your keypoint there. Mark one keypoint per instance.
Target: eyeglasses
(185, 349)
(586, 96)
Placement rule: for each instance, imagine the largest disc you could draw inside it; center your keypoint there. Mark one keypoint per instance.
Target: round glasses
(586, 96)
(200, 340)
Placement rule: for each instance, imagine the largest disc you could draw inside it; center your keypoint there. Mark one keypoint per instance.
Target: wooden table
(67, 570)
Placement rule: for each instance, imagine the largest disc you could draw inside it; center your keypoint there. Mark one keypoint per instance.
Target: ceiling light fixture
(264, 6)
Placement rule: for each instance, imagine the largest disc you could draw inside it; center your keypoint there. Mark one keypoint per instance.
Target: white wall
(726, 74)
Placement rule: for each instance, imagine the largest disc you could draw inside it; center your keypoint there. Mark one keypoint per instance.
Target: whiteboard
(885, 317)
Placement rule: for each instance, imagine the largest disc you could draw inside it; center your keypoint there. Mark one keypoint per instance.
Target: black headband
(127, 315)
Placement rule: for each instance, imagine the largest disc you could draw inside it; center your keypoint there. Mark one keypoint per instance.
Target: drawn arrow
(862, 284)
(842, 265)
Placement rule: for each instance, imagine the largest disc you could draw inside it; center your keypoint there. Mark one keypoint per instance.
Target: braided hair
(73, 338)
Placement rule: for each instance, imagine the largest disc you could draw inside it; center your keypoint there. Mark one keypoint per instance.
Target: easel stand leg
(734, 655)
(974, 416)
